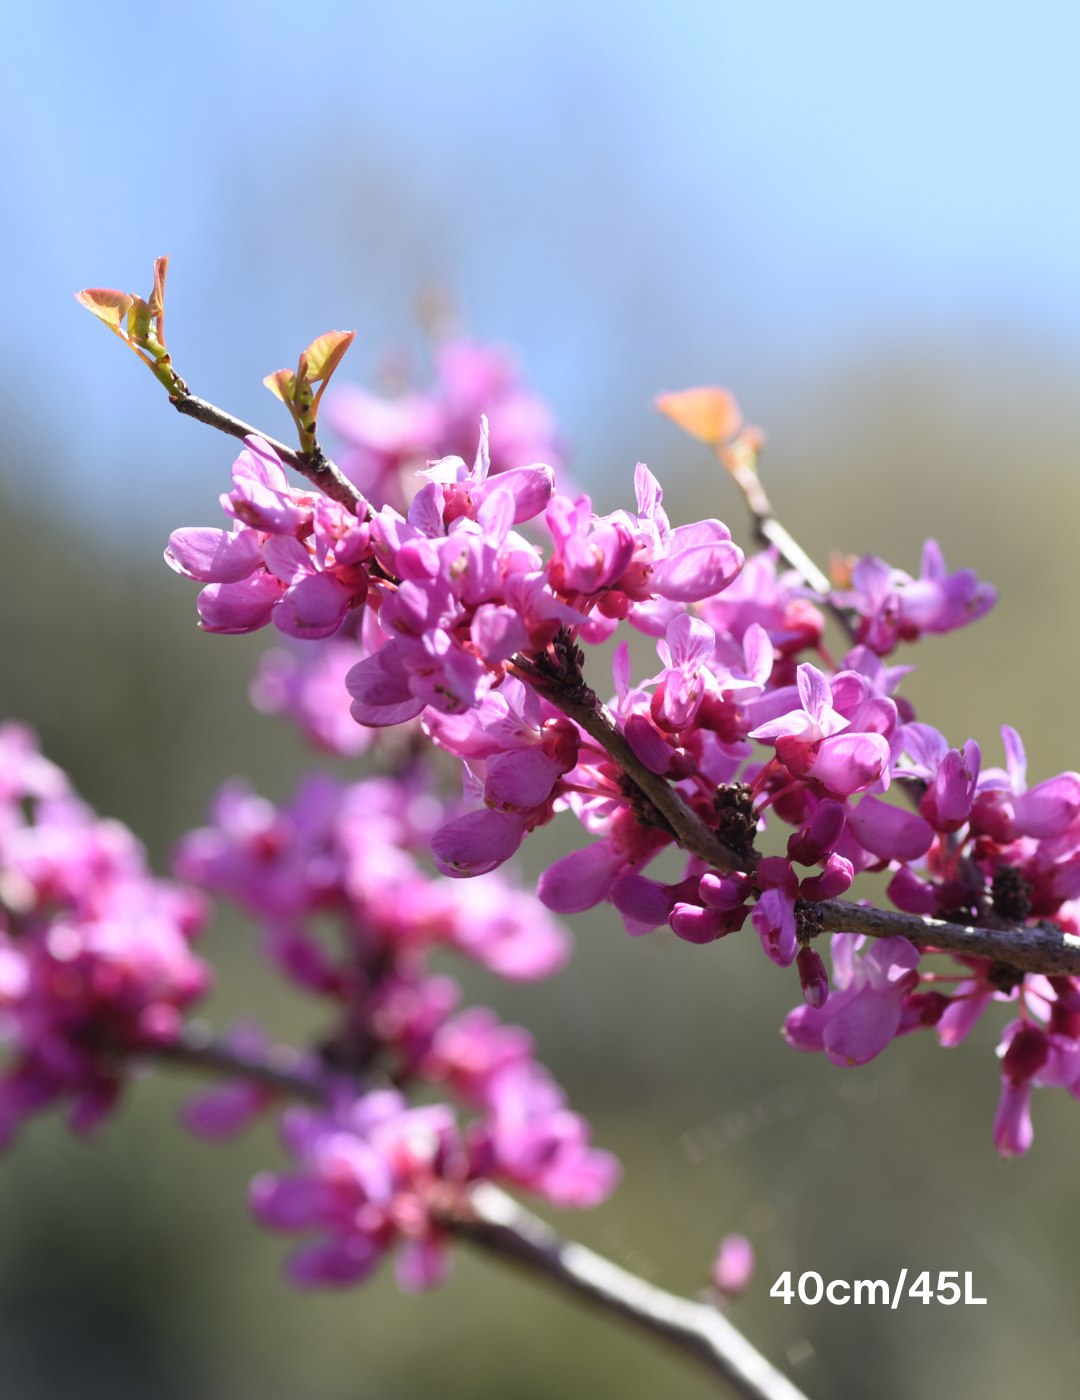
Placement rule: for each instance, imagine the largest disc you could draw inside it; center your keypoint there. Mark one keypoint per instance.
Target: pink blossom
(863, 1011)
(758, 597)
(685, 651)
(533, 1140)
(310, 688)
(1013, 1134)
(102, 966)
(889, 832)
(813, 978)
(469, 1050)
(774, 913)
(810, 744)
(894, 607)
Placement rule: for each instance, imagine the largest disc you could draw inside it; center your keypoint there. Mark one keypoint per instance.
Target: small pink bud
(820, 836)
(1026, 1054)
(814, 978)
(733, 1267)
(160, 1022)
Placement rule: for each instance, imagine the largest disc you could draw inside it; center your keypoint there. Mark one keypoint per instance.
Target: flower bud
(813, 977)
(1026, 1054)
(818, 839)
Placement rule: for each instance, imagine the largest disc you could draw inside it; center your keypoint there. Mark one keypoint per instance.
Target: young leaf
(324, 354)
(157, 296)
(282, 384)
(108, 305)
(139, 319)
(709, 414)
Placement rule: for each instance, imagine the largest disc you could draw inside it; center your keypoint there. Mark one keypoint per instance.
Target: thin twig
(505, 1228)
(316, 466)
(495, 1223)
(740, 461)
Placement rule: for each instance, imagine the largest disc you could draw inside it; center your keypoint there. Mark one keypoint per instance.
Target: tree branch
(1039, 948)
(495, 1223)
(685, 824)
(506, 1229)
(316, 466)
(279, 1068)
(740, 461)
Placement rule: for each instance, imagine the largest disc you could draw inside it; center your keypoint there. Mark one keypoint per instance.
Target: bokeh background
(863, 219)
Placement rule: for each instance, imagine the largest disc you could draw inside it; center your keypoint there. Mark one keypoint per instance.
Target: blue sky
(635, 195)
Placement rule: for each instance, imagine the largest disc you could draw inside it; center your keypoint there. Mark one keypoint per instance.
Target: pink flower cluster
(292, 557)
(893, 607)
(95, 953)
(991, 849)
(373, 1172)
(837, 743)
(466, 626)
(351, 851)
(388, 441)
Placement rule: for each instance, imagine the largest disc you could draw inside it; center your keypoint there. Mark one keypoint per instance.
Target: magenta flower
(215, 556)
(774, 913)
(589, 553)
(1026, 1050)
(894, 607)
(101, 966)
(889, 832)
(951, 775)
(261, 496)
(292, 558)
(533, 1140)
(235, 608)
(364, 1171)
(758, 597)
(1013, 1133)
(810, 743)
(685, 652)
(813, 978)
(584, 878)
(468, 1051)
(863, 1011)
(309, 686)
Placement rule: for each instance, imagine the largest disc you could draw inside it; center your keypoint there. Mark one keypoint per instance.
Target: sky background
(635, 196)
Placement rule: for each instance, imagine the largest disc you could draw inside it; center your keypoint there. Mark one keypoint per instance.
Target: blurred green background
(865, 221)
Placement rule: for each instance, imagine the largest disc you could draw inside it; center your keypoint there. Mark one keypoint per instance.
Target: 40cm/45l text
(812, 1289)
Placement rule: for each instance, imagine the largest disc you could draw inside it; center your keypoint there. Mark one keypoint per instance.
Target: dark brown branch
(506, 1229)
(583, 707)
(1042, 948)
(494, 1222)
(316, 466)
